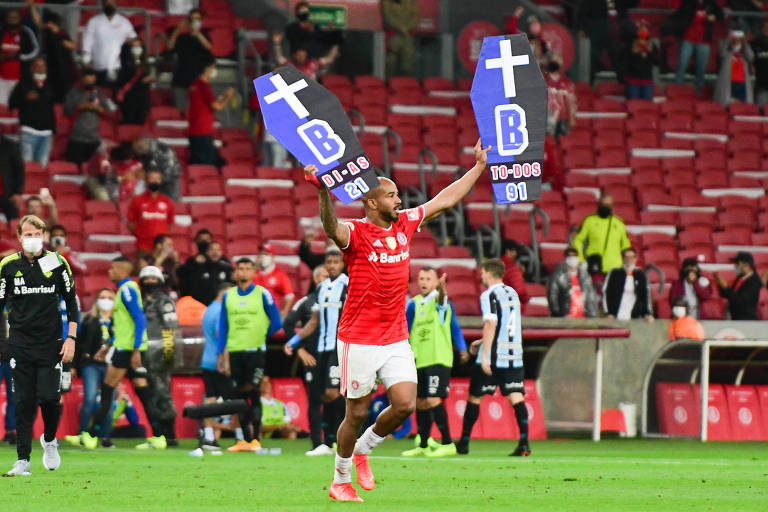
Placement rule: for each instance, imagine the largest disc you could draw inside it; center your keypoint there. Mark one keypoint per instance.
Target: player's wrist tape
(313, 180)
(295, 339)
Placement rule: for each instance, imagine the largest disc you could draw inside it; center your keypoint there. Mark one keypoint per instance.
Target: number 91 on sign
(507, 176)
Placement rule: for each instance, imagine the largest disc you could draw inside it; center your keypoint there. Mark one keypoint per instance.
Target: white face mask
(213, 74)
(678, 311)
(105, 304)
(572, 261)
(39, 77)
(32, 245)
(629, 268)
(137, 51)
(266, 261)
(196, 24)
(736, 47)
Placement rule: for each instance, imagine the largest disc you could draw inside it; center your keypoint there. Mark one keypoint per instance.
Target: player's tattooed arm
(336, 231)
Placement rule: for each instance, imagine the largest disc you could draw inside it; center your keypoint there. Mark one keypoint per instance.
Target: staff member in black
(32, 284)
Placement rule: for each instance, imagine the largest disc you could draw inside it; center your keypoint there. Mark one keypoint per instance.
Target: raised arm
(455, 192)
(336, 231)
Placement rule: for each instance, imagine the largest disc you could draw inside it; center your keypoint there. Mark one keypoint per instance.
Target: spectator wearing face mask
(192, 47)
(87, 104)
(150, 214)
(58, 49)
(133, 83)
(103, 38)
(640, 59)
(605, 236)
(541, 48)
(33, 97)
(203, 105)
(682, 326)
(734, 80)
(154, 154)
(306, 34)
(59, 244)
(692, 287)
(562, 97)
(274, 279)
(570, 292)
(626, 292)
(300, 58)
(744, 293)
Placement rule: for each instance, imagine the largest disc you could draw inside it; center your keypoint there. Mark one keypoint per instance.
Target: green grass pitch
(562, 475)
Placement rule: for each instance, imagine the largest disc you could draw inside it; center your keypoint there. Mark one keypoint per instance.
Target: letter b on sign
(511, 134)
(322, 141)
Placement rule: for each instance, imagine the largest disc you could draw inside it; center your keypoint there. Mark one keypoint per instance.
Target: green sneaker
(73, 440)
(443, 450)
(89, 442)
(144, 446)
(158, 443)
(417, 440)
(432, 444)
(415, 452)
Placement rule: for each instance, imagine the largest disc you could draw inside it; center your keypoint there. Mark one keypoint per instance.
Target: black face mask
(110, 10)
(553, 67)
(150, 287)
(154, 187)
(604, 211)
(302, 16)
(202, 246)
(89, 87)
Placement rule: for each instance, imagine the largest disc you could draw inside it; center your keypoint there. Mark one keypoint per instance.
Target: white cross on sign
(288, 93)
(507, 63)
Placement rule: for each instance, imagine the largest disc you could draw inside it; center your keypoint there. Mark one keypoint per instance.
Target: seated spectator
(304, 33)
(150, 214)
(190, 311)
(760, 48)
(18, 45)
(694, 288)
(513, 275)
(102, 40)
(744, 293)
(201, 275)
(626, 293)
(274, 279)
(605, 236)
(401, 19)
(192, 47)
(203, 105)
(133, 83)
(734, 80)
(59, 244)
(87, 104)
(58, 49)
(693, 23)
(12, 178)
(570, 292)
(165, 257)
(33, 96)
(300, 58)
(562, 97)
(640, 58)
(36, 205)
(275, 418)
(154, 154)
(682, 326)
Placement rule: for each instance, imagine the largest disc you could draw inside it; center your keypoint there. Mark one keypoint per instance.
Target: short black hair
(51, 17)
(88, 72)
(570, 250)
(495, 267)
(204, 231)
(58, 227)
(428, 268)
(160, 239)
(208, 61)
(195, 10)
(680, 302)
(510, 245)
(121, 259)
(629, 249)
(333, 253)
(243, 261)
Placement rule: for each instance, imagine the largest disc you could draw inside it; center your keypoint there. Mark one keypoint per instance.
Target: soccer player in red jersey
(373, 331)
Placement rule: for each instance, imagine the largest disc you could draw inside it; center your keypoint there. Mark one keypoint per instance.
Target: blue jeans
(10, 409)
(92, 375)
(687, 49)
(639, 92)
(739, 91)
(36, 147)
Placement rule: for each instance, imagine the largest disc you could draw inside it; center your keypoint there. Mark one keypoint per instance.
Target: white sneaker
(20, 468)
(51, 457)
(322, 449)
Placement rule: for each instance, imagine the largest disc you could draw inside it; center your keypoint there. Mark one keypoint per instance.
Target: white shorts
(361, 364)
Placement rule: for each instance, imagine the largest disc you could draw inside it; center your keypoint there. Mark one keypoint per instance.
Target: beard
(391, 215)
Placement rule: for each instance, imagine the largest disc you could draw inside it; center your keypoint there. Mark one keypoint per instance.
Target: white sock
(342, 473)
(208, 433)
(239, 434)
(368, 441)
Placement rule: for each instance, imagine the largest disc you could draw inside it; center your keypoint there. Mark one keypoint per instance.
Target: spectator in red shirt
(203, 105)
(692, 22)
(562, 98)
(150, 214)
(641, 56)
(513, 276)
(274, 279)
(18, 45)
(736, 57)
(300, 58)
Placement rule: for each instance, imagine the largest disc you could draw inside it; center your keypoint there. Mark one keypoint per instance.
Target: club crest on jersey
(391, 243)
(402, 239)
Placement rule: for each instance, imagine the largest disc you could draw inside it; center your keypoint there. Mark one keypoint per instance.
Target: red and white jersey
(378, 265)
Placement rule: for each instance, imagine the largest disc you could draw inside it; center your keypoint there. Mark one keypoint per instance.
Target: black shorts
(247, 367)
(433, 381)
(217, 384)
(508, 380)
(326, 374)
(121, 359)
(36, 381)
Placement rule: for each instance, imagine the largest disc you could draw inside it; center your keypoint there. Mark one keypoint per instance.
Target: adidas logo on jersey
(377, 243)
(383, 257)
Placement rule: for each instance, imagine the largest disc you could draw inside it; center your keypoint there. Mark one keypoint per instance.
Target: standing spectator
(734, 80)
(626, 292)
(600, 21)
(18, 45)
(683, 326)
(87, 103)
(11, 178)
(562, 97)
(165, 257)
(401, 18)
(694, 288)
(570, 292)
(274, 279)
(692, 23)
(36, 206)
(58, 49)
(304, 33)
(59, 244)
(203, 105)
(641, 57)
(192, 47)
(103, 38)
(760, 48)
(513, 275)
(200, 275)
(605, 236)
(150, 214)
(133, 83)
(33, 96)
(744, 293)
(5, 376)
(300, 58)
(154, 154)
